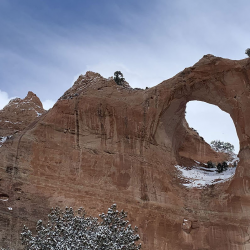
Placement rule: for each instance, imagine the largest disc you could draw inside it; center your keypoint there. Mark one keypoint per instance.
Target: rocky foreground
(102, 144)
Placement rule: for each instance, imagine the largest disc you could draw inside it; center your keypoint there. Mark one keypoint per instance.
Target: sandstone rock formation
(19, 113)
(102, 144)
(194, 147)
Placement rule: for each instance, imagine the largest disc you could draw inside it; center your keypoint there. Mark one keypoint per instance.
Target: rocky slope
(18, 114)
(102, 144)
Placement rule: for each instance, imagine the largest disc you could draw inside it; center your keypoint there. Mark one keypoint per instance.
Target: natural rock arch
(102, 144)
(217, 81)
(211, 123)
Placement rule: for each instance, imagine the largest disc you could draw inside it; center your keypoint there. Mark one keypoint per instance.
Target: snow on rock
(200, 177)
(38, 114)
(234, 160)
(18, 114)
(187, 226)
(91, 80)
(3, 139)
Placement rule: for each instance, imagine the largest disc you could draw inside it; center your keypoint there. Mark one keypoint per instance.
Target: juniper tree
(118, 77)
(210, 164)
(247, 52)
(219, 168)
(224, 165)
(67, 231)
(224, 147)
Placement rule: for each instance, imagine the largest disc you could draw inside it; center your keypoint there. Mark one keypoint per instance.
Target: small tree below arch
(220, 146)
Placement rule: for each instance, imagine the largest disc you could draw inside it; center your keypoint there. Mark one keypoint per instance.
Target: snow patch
(3, 139)
(38, 114)
(200, 177)
(11, 122)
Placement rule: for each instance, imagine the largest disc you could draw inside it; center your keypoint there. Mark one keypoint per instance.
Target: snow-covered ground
(200, 177)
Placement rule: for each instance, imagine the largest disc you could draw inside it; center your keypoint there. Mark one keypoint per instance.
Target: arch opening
(207, 164)
(212, 123)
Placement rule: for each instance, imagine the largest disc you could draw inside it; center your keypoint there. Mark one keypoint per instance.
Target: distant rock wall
(194, 147)
(19, 113)
(102, 144)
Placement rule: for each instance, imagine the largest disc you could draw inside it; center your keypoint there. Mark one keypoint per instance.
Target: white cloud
(147, 47)
(47, 104)
(4, 99)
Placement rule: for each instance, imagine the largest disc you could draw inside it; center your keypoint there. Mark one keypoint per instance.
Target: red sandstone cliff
(102, 143)
(19, 113)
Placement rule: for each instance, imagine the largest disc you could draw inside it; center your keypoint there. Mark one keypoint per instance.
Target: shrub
(210, 164)
(220, 146)
(118, 77)
(247, 52)
(222, 167)
(219, 168)
(67, 231)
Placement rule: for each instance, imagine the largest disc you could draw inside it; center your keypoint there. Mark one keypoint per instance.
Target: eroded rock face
(102, 144)
(196, 148)
(19, 113)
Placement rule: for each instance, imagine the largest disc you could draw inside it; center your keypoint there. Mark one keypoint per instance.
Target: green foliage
(220, 146)
(118, 77)
(222, 167)
(210, 164)
(219, 168)
(247, 52)
(67, 231)
(224, 147)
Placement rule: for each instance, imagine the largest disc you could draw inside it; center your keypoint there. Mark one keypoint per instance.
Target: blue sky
(46, 44)
(207, 120)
